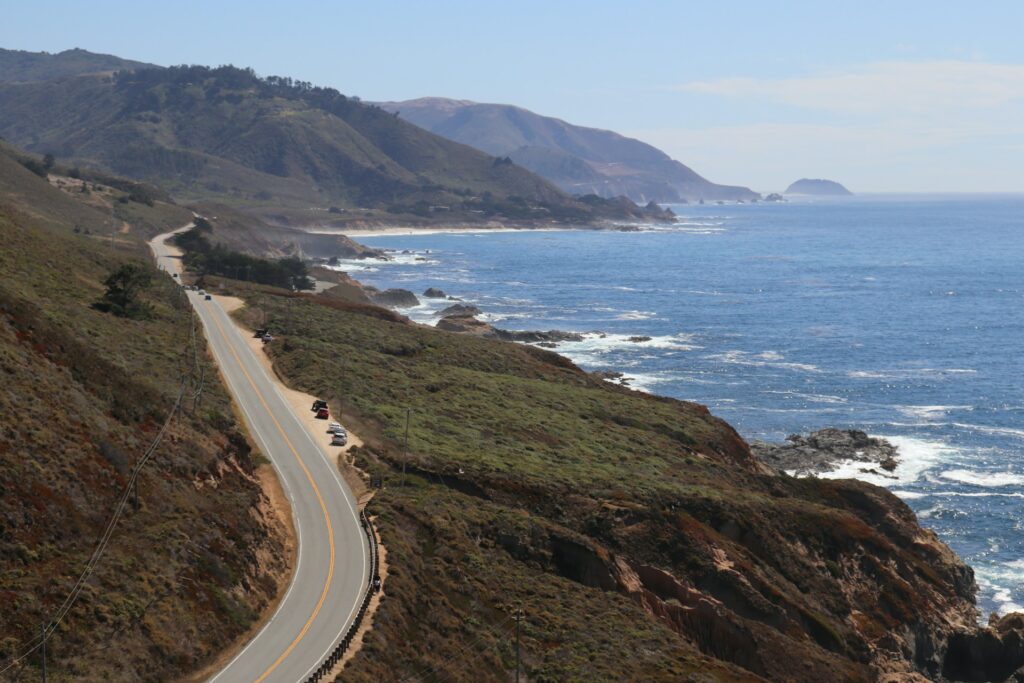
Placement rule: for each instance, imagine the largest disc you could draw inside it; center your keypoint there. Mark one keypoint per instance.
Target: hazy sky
(882, 96)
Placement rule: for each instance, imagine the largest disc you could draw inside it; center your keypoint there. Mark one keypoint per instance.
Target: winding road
(332, 564)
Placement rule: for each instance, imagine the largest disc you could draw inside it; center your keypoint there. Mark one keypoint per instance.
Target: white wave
(593, 351)
(911, 495)
(1002, 431)
(987, 479)
(912, 373)
(928, 412)
(914, 458)
(394, 258)
(814, 398)
(636, 315)
(765, 359)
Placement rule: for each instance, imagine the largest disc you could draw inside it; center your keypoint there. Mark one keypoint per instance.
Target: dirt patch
(229, 303)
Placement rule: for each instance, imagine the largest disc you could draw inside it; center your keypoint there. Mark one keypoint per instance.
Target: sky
(890, 96)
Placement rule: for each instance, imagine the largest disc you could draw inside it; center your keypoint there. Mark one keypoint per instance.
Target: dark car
(318, 404)
(209, 297)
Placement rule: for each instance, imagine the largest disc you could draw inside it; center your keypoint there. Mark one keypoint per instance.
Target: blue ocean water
(902, 316)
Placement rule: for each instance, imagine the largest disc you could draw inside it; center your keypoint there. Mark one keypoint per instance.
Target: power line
(49, 628)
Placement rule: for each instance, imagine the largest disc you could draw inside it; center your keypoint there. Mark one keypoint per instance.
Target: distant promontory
(818, 186)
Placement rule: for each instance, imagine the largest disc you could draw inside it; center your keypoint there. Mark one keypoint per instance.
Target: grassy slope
(82, 395)
(637, 532)
(224, 135)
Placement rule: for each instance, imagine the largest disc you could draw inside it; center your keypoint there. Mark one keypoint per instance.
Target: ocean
(902, 316)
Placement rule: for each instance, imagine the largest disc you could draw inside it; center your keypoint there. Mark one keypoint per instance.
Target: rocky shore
(823, 451)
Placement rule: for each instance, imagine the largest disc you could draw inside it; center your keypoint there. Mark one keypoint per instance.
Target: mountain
(283, 149)
(818, 186)
(18, 66)
(579, 160)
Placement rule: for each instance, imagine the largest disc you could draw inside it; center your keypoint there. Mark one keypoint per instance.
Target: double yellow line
(319, 498)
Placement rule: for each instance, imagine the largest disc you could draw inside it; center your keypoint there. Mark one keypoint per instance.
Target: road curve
(332, 562)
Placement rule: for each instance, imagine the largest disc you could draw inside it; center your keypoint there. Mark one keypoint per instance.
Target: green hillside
(83, 394)
(577, 159)
(19, 66)
(287, 150)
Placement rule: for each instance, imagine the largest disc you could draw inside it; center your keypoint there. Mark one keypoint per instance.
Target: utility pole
(519, 618)
(405, 458)
(42, 630)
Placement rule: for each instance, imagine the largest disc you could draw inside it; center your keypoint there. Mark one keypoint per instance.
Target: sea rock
(395, 298)
(817, 186)
(434, 293)
(639, 339)
(533, 337)
(465, 324)
(823, 450)
(459, 310)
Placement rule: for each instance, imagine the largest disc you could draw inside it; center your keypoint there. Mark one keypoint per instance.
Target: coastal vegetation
(638, 535)
(204, 258)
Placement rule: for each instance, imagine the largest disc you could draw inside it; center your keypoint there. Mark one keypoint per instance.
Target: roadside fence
(373, 585)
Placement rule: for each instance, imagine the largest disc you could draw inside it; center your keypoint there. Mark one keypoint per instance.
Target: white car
(335, 427)
(339, 439)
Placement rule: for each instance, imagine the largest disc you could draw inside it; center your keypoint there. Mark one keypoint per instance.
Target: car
(323, 413)
(260, 333)
(267, 339)
(209, 297)
(339, 440)
(174, 275)
(335, 427)
(318, 404)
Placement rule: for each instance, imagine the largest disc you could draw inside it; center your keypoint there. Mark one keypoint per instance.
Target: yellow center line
(320, 499)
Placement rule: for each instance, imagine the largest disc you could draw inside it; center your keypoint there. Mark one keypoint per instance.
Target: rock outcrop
(460, 310)
(466, 324)
(434, 293)
(995, 653)
(394, 298)
(823, 450)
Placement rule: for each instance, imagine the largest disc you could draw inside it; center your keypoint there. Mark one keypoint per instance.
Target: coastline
(406, 231)
(797, 388)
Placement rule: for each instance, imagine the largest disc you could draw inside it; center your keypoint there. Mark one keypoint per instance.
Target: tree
(124, 286)
(48, 161)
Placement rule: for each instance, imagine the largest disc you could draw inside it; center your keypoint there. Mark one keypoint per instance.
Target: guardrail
(373, 585)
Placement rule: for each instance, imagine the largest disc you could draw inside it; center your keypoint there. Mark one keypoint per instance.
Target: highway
(332, 563)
